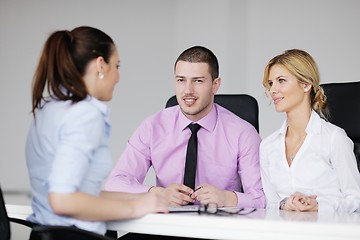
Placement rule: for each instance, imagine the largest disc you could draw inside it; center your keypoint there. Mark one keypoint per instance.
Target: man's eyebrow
(194, 78)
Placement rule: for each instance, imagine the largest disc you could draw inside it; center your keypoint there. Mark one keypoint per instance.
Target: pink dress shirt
(228, 155)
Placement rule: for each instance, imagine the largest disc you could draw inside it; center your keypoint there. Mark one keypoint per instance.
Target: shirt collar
(208, 122)
(313, 126)
(104, 109)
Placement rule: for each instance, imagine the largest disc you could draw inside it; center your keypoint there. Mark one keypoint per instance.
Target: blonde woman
(308, 164)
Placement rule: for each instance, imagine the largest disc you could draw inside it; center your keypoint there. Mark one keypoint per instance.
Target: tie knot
(194, 127)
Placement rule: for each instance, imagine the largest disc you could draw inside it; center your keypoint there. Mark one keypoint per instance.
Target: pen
(195, 190)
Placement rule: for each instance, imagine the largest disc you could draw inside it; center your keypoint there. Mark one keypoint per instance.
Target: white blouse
(325, 165)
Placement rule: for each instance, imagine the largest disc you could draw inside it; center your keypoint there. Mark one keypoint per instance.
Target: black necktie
(191, 157)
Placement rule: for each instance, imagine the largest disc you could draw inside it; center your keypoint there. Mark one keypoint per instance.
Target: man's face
(195, 89)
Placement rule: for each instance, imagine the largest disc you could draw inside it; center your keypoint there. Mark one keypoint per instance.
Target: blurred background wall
(150, 34)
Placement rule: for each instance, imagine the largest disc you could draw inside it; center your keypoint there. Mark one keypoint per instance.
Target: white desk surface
(261, 224)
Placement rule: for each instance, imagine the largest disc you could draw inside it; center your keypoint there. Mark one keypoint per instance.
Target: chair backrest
(343, 100)
(4, 220)
(243, 105)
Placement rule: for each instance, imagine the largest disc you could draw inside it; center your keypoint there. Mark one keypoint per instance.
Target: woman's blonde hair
(301, 64)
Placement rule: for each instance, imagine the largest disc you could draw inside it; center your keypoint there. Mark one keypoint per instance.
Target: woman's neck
(297, 122)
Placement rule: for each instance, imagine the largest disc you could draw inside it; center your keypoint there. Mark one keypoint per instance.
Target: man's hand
(176, 194)
(209, 194)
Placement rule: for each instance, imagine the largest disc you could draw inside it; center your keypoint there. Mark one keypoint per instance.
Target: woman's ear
(100, 66)
(307, 87)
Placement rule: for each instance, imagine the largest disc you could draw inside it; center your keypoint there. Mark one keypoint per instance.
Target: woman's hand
(301, 202)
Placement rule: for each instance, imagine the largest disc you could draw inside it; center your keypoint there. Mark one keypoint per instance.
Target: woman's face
(286, 91)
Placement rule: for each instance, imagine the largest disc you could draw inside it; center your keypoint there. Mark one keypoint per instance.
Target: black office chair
(4, 220)
(243, 105)
(63, 233)
(43, 232)
(5, 231)
(343, 100)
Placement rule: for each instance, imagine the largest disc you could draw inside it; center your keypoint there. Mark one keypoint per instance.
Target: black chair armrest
(41, 232)
(22, 222)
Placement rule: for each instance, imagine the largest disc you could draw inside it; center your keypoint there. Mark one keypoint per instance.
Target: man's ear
(216, 84)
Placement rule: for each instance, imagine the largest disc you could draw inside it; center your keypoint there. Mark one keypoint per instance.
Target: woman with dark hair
(67, 150)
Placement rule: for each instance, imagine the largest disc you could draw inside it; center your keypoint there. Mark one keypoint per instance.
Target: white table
(261, 224)
(18, 211)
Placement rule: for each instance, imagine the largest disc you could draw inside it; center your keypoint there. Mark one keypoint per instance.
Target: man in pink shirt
(227, 172)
